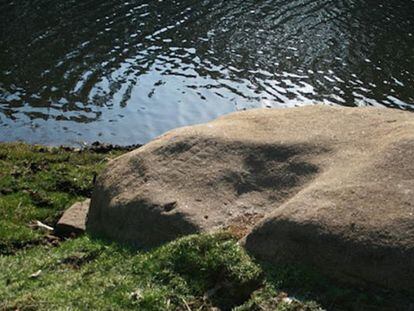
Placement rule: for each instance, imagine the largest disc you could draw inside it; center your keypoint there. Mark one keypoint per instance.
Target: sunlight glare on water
(126, 71)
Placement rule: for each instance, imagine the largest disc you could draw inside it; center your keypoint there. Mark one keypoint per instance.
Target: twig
(186, 304)
(41, 225)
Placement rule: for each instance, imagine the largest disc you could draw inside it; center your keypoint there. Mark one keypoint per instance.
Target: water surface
(126, 71)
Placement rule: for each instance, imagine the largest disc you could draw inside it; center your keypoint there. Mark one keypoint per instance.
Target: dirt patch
(242, 224)
(77, 260)
(12, 248)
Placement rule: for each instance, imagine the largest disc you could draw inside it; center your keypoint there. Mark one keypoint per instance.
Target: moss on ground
(198, 272)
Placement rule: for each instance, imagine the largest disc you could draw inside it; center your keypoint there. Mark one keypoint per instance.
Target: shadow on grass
(307, 284)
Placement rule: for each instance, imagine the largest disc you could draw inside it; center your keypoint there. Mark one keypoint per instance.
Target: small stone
(73, 221)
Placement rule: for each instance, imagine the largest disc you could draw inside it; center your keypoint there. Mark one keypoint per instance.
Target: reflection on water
(126, 71)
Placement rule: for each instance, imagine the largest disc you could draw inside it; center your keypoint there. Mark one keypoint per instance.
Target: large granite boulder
(355, 220)
(336, 186)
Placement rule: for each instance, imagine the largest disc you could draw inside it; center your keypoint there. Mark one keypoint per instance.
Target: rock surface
(73, 220)
(336, 186)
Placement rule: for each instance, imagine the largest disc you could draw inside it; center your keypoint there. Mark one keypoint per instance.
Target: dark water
(126, 71)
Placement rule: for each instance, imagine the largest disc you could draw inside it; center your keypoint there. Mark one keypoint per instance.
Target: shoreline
(96, 146)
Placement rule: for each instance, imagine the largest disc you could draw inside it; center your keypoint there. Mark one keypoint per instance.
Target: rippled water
(126, 71)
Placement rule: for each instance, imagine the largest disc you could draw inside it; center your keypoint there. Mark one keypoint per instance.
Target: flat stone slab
(73, 220)
(329, 187)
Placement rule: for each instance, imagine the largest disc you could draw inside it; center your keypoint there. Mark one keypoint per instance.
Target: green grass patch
(38, 183)
(193, 273)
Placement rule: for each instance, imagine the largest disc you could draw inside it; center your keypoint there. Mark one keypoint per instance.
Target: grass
(199, 272)
(37, 183)
(193, 273)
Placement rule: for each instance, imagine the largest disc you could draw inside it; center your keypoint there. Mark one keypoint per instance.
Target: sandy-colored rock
(336, 186)
(73, 220)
